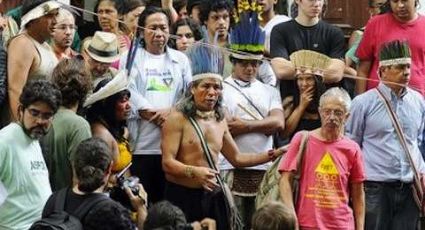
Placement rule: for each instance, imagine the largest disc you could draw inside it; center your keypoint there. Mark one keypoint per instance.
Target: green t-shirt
(24, 179)
(68, 130)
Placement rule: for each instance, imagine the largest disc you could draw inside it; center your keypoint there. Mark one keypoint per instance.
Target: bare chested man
(190, 181)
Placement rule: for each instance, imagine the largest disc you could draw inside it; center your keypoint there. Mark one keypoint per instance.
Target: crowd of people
(168, 114)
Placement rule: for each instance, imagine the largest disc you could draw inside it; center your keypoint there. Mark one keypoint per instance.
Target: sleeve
(354, 128)
(366, 47)
(187, 74)
(277, 41)
(357, 173)
(81, 133)
(338, 44)
(266, 74)
(289, 160)
(275, 101)
(421, 139)
(137, 100)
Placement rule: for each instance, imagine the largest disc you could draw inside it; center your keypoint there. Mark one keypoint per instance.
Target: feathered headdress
(206, 62)
(310, 62)
(394, 53)
(247, 36)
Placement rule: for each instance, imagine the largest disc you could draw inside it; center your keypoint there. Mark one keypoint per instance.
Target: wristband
(188, 171)
(272, 157)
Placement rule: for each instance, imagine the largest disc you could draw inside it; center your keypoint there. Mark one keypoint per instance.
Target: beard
(36, 132)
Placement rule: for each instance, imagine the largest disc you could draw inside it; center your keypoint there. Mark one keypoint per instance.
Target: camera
(118, 193)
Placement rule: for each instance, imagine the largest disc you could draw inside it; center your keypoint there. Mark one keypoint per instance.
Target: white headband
(38, 12)
(396, 61)
(206, 75)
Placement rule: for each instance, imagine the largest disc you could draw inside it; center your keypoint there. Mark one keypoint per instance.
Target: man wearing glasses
(24, 179)
(63, 35)
(331, 170)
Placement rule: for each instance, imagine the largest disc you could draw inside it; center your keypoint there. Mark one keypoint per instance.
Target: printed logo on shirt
(38, 167)
(326, 191)
(159, 81)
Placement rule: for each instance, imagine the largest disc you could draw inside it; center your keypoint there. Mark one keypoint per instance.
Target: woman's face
(305, 82)
(108, 16)
(185, 38)
(131, 18)
(122, 108)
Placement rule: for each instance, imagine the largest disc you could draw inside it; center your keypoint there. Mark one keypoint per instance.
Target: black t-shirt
(290, 36)
(110, 215)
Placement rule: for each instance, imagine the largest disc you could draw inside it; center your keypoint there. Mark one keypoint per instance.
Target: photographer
(92, 165)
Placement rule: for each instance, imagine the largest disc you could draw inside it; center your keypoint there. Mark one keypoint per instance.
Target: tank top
(48, 61)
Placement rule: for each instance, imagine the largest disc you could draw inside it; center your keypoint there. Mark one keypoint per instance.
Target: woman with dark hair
(108, 22)
(108, 121)
(129, 11)
(92, 164)
(188, 31)
(301, 107)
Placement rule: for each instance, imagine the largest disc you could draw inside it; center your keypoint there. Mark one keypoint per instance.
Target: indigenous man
(254, 111)
(389, 174)
(191, 182)
(331, 171)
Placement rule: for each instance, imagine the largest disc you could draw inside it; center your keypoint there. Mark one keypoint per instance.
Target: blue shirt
(371, 127)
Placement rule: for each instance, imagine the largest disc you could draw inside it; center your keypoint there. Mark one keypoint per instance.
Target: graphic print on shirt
(326, 191)
(159, 81)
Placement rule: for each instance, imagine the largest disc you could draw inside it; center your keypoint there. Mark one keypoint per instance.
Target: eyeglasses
(336, 112)
(64, 27)
(38, 114)
(246, 63)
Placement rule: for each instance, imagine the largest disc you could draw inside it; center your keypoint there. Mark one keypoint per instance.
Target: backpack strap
(60, 199)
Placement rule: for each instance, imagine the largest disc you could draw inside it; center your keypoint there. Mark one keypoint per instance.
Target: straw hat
(103, 47)
(117, 84)
(310, 62)
(39, 11)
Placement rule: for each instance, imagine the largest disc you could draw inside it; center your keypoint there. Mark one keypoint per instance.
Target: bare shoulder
(21, 43)
(175, 119)
(100, 131)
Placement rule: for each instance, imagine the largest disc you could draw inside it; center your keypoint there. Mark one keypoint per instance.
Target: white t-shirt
(157, 82)
(269, 26)
(266, 98)
(24, 179)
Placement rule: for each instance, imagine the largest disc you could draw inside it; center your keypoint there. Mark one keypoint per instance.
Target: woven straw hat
(103, 47)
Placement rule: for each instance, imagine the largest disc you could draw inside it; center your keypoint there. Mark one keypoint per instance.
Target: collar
(388, 92)
(242, 84)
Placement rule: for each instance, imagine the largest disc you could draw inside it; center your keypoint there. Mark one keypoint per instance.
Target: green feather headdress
(394, 53)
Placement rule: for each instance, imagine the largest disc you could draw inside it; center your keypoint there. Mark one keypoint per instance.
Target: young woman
(187, 31)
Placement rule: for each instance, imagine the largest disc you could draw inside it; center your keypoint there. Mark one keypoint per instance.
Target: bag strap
(247, 98)
(401, 137)
(301, 152)
(60, 199)
(204, 145)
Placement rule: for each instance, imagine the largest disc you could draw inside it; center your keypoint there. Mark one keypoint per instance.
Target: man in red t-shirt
(402, 23)
(332, 171)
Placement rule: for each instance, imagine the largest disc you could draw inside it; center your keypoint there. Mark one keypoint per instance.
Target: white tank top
(48, 61)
